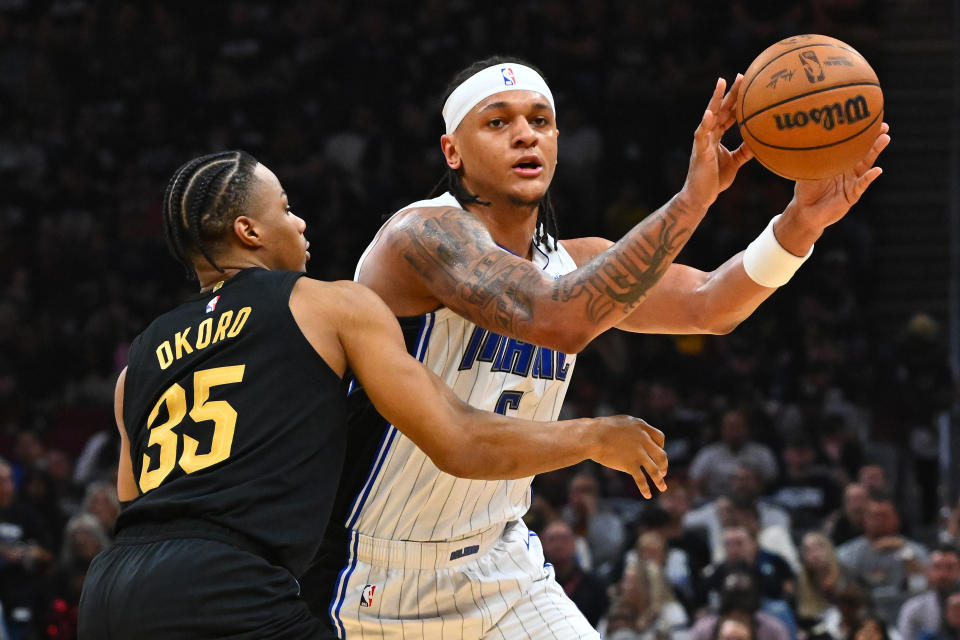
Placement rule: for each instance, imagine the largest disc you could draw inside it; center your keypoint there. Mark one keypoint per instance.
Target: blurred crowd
(804, 493)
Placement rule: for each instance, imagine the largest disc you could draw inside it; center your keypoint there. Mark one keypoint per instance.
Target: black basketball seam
(819, 44)
(822, 146)
(811, 93)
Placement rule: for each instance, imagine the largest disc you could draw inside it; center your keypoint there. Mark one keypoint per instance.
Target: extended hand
(823, 202)
(631, 445)
(712, 166)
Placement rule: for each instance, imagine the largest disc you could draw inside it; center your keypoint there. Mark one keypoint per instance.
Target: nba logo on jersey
(212, 304)
(508, 80)
(366, 596)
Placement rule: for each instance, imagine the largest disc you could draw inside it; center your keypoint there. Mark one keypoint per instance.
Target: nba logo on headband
(488, 81)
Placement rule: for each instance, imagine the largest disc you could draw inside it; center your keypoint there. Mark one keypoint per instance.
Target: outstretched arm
(687, 300)
(451, 258)
(460, 439)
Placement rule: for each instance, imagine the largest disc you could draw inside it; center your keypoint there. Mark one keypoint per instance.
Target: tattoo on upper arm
(497, 287)
(454, 251)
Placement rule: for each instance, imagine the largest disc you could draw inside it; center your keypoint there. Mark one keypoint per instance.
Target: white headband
(508, 76)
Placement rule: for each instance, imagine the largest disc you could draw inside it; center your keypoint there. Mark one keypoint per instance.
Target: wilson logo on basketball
(827, 116)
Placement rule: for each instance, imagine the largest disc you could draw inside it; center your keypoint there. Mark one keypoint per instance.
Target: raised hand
(823, 202)
(631, 445)
(712, 166)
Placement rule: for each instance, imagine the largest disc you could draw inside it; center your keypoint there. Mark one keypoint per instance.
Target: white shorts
(492, 585)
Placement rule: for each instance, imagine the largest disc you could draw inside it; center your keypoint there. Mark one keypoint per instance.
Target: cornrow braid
(201, 201)
(453, 179)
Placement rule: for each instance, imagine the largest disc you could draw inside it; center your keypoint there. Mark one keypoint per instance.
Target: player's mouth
(528, 166)
(305, 249)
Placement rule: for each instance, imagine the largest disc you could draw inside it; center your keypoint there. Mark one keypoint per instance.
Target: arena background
(101, 100)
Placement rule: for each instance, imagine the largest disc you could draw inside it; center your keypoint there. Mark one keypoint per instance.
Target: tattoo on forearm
(624, 274)
(501, 289)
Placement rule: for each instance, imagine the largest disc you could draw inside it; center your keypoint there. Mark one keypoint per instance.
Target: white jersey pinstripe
(405, 496)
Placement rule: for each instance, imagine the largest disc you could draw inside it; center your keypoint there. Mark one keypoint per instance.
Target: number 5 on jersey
(224, 419)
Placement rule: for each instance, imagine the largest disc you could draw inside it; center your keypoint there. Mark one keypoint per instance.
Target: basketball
(809, 107)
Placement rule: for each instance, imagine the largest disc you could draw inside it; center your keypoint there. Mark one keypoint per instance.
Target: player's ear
(246, 231)
(450, 152)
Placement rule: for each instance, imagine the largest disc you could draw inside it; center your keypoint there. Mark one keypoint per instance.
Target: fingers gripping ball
(809, 107)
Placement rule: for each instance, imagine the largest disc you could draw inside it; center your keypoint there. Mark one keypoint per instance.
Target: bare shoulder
(414, 264)
(444, 216)
(583, 250)
(451, 230)
(338, 301)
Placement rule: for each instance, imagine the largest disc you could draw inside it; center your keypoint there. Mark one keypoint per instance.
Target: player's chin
(529, 194)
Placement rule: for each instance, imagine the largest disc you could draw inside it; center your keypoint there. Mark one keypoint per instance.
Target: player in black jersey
(231, 417)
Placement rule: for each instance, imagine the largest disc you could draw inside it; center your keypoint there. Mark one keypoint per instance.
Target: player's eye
(496, 123)
(540, 121)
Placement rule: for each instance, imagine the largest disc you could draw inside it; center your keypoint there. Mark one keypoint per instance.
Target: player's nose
(524, 135)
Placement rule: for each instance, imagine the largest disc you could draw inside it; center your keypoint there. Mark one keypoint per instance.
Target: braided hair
(202, 200)
(453, 180)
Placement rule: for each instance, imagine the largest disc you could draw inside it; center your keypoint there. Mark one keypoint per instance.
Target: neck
(511, 223)
(209, 277)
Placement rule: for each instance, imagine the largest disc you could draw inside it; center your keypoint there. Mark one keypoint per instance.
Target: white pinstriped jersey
(405, 496)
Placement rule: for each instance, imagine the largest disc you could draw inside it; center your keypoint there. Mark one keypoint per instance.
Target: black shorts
(154, 585)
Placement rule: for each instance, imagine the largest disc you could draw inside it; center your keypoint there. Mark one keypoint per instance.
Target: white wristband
(769, 264)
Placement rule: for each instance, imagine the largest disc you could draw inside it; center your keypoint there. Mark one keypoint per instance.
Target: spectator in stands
(734, 628)
(643, 592)
(807, 491)
(681, 557)
(743, 495)
(589, 518)
(773, 579)
(739, 599)
(714, 466)
(39, 492)
(871, 627)
(774, 538)
(675, 504)
(819, 586)
(846, 524)
(923, 613)
(873, 477)
(84, 538)
(949, 624)
(23, 557)
(890, 565)
(28, 453)
(101, 501)
(585, 589)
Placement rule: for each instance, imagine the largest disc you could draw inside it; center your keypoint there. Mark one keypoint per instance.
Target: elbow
(474, 458)
(714, 322)
(722, 328)
(561, 335)
(459, 461)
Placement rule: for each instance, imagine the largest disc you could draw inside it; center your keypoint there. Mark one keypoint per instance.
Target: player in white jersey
(492, 303)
